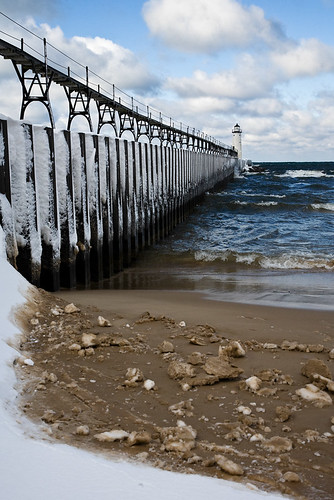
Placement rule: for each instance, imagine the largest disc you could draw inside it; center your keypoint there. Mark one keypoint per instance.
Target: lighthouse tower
(236, 133)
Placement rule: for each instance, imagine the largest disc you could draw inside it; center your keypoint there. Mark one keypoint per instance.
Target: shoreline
(87, 384)
(199, 307)
(280, 288)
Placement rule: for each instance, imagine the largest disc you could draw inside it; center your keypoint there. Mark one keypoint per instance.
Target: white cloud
(208, 26)
(109, 60)
(250, 78)
(307, 58)
(257, 75)
(266, 106)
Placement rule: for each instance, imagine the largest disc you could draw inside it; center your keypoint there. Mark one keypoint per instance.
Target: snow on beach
(31, 465)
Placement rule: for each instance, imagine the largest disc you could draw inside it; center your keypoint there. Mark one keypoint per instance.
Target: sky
(267, 65)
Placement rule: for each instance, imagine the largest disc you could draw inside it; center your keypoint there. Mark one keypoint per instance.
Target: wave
(304, 173)
(284, 261)
(267, 203)
(262, 195)
(259, 204)
(327, 207)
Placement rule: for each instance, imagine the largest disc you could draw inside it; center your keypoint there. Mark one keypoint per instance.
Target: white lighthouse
(236, 133)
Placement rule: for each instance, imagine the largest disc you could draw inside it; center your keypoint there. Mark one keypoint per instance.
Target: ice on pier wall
(102, 166)
(7, 224)
(65, 187)
(46, 188)
(93, 185)
(23, 188)
(80, 190)
(84, 204)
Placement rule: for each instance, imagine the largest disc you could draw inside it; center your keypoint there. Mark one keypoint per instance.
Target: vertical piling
(107, 207)
(68, 231)
(82, 211)
(50, 262)
(6, 213)
(95, 209)
(24, 205)
(117, 207)
(135, 201)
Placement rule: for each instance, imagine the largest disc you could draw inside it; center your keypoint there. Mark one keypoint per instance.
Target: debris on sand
(101, 321)
(82, 430)
(180, 439)
(111, 436)
(291, 477)
(277, 444)
(196, 358)
(283, 413)
(233, 349)
(149, 384)
(253, 383)
(133, 377)
(221, 368)
(182, 409)
(166, 347)
(88, 339)
(138, 438)
(229, 466)
(314, 395)
(71, 308)
(316, 367)
(178, 370)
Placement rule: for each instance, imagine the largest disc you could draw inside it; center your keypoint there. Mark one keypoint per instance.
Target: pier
(77, 207)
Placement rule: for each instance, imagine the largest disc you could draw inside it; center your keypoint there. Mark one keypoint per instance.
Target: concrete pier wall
(77, 207)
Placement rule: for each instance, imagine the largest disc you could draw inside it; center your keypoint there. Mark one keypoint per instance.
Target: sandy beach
(240, 392)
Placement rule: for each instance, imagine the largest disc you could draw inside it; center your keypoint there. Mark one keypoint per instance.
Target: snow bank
(34, 469)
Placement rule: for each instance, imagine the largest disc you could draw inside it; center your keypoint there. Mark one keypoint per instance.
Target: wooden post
(140, 182)
(169, 189)
(135, 203)
(6, 212)
(117, 209)
(4, 161)
(29, 244)
(95, 215)
(50, 263)
(156, 191)
(149, 196)
(125, 171)
(68, 239)
(82, 216)
(107, 208)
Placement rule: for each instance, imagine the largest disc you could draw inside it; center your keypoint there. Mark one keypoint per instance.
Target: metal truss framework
(36, 77)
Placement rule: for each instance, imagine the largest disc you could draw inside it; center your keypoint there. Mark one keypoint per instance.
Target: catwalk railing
(77, 208)
(114, 107)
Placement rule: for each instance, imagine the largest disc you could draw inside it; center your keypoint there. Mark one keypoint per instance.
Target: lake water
(267, 238)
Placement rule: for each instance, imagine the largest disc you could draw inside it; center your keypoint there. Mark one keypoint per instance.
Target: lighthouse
(236, 133)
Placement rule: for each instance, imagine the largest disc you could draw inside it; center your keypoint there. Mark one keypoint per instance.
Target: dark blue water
(267, 238)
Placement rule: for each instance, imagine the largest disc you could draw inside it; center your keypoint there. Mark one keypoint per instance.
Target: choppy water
(267, 238)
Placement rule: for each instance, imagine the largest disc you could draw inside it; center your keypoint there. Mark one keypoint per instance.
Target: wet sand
(185, 383)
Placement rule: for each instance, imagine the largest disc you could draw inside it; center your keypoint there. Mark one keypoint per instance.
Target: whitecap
(323, 206)
(207, 256)
(283, 261)
(303, 173)
(296, 262)
(262, 195)
(267, 203)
